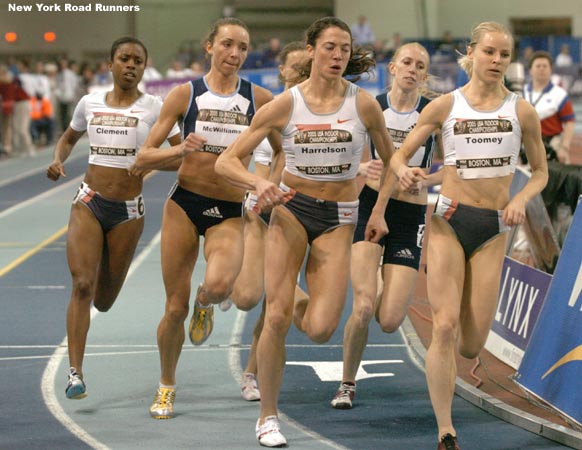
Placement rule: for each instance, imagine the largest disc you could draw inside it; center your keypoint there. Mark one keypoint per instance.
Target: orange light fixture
(10, 36)
(50, 36)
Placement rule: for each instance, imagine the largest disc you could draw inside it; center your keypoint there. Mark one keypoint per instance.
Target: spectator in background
(86, 78)
(446, 49)
(555, 111)
(7, 95)
(102, 76)
(151, 73)
(379, 51)
(16, 114)
(178, 71)
(42, 121)
(270, 57)
(197, 69)
(25, 78)
(362, 32)
(67, 85)
(526, 55)
(394, 43)
(564, 59)
(42, 82)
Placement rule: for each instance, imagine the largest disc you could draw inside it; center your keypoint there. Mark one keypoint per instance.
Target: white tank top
(263, 153)
(324, 147)
(116, 134)
(482, 144)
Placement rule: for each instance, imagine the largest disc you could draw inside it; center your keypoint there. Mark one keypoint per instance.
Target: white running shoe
(225, 304)
(269, 433)
(249, 389)
(344, 396)
(76, 388)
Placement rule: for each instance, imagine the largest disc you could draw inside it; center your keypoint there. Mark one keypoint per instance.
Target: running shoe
(269, 433)
(344, 396)
(163, 405)
(249, 389)
(201, 323)
(448, 442)
(225, 304)
(76, 389)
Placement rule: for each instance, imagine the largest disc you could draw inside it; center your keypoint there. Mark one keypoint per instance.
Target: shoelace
(271, 425)
(346, 390)
(73, 376)
(165, 398)
(202, 315)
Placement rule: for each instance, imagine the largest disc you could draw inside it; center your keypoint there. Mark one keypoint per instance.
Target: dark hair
(220, 23)
(294, 46)
(127, 40)
(360, 60)
(291, 47)
(540, 54)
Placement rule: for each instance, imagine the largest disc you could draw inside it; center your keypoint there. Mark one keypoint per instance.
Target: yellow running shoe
(163, 405)
(201, 323)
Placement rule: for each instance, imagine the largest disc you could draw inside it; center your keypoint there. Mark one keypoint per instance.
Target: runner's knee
(217, 290)
(83, 288)
(390, 324)
(176, 313)
(363, 313)
(444, 332)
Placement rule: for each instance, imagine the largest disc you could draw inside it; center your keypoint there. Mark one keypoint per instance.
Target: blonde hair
(476, 35)
(423, 89)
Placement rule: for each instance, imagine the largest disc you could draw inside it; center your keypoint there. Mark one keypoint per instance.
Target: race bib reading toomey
(113, 134)
(483, 147)
(321, 150)
(220, 128)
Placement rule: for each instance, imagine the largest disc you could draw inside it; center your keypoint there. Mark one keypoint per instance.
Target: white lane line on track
(31, 201)
(202, 347)
(234, 362)
(235, 366)
(47, 385)
(37, 170)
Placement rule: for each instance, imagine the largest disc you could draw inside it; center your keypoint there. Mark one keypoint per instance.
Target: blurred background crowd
(39, 96)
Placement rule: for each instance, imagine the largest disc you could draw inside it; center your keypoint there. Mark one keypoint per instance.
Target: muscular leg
(251, 366)
(364, 263)
(326, 275)
(285, 249)
(118, 250)
(84, 249)
(223, 251)
(249, 285)
(446, 276)
(179, 244)
(399, 284)
(479, 299)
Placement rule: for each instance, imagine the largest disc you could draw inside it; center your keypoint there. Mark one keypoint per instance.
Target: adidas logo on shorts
(404, 253)
(213, 212)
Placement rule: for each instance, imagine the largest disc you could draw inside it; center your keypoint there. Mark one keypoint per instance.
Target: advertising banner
(521, 296)
(551, 368)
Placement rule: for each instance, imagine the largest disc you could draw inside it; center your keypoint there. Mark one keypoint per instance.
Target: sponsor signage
(551, 368)
(521, 296)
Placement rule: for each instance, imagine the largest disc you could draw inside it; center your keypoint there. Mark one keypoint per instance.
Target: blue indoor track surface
(392, 408)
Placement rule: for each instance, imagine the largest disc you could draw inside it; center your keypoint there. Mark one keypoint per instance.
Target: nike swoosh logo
(571, 356)
(343, 121)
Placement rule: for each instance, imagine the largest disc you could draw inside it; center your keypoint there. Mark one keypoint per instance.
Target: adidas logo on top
(213, 212)
(236, 108)
(404, 253)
